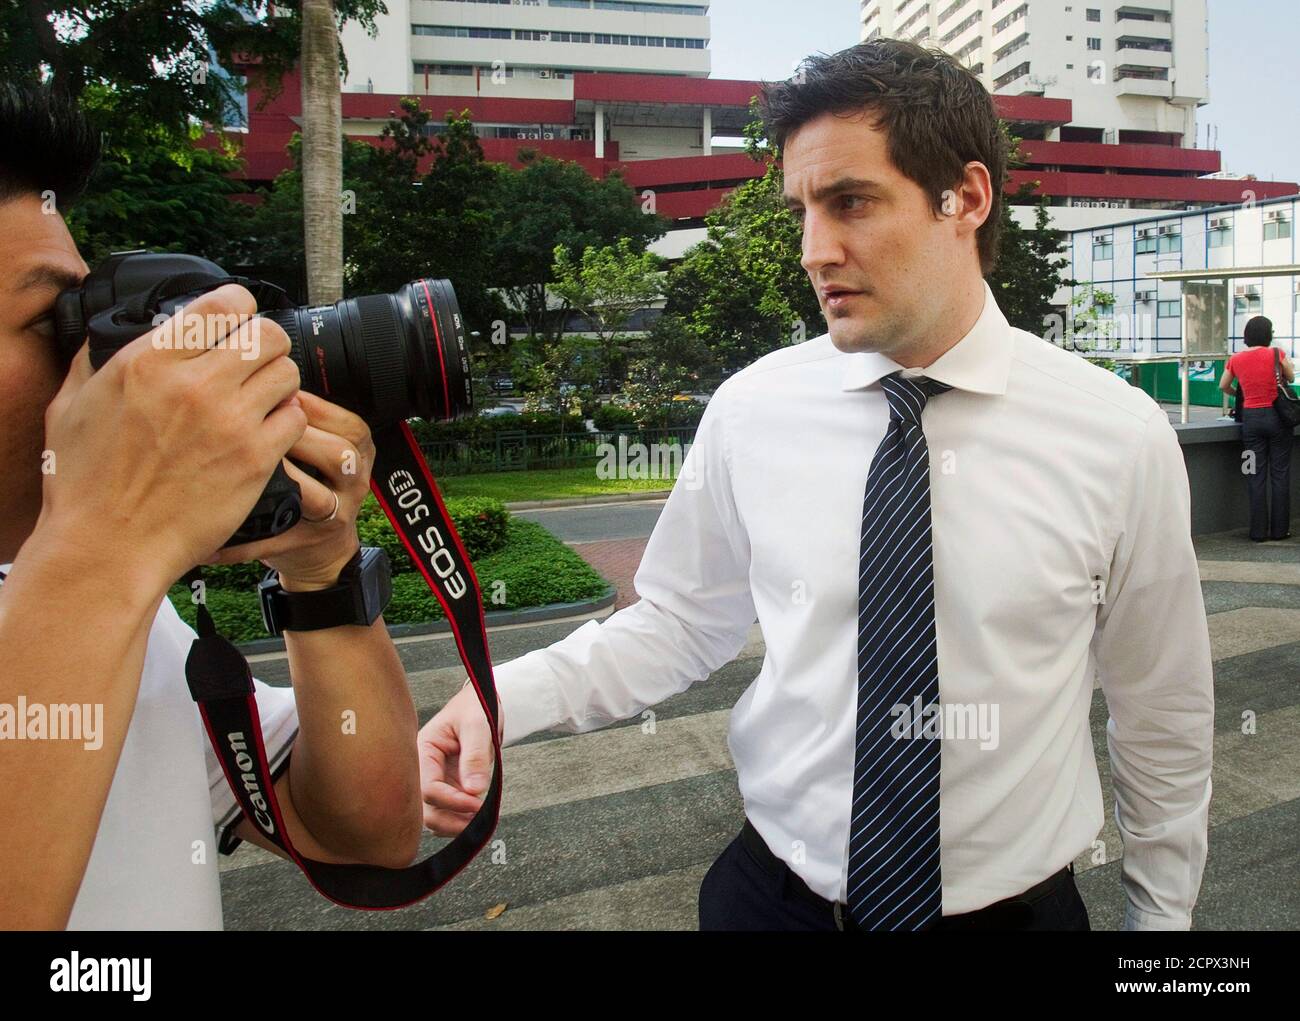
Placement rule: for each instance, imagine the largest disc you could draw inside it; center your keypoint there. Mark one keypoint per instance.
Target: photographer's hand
(310, 555)
(167, 447)
(352, 790)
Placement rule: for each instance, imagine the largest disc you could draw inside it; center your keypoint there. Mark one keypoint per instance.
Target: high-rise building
(622, 85)
(526, 49)
(530, 51)
(1134, 72)
(610, 84)
(1127, 76)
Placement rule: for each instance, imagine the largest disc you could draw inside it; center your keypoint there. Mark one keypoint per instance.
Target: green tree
(155, 189)
(163, 57)
(742, 291)
(386, 234)
(1030, 261)
(1091, 326)
(552, 202)
(439, 221)
(607, 285)
(406, 223)
(558, 376)
(279, 252)
(652, 383)
(671, 342)
(148, 74)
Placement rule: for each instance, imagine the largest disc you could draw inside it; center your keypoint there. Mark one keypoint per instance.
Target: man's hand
(167, 447)
(310, 555)
(456, 763)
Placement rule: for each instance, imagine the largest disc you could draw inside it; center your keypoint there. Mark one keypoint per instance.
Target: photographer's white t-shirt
(154, 861)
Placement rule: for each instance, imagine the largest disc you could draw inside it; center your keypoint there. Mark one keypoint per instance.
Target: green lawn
(544, 484)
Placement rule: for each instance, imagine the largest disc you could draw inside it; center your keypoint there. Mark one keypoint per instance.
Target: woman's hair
(1259, 332)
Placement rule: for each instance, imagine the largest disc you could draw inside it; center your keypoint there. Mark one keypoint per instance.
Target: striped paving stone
(614, 829)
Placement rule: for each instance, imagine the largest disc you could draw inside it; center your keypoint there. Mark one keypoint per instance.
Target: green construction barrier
(1162, 383)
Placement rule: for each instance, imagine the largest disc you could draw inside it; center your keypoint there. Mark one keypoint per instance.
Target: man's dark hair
(1259, 332)
(45, 144)
(936, 114)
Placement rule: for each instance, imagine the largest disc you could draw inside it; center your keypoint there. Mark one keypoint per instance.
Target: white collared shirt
(169, 809)
(1062, 549)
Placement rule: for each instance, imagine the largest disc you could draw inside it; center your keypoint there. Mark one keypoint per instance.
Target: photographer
(117, 483)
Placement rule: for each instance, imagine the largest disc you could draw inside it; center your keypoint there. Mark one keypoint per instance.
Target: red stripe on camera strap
(222, 684)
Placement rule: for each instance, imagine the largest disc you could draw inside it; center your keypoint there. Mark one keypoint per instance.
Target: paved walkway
(614, 829)
(617, 561)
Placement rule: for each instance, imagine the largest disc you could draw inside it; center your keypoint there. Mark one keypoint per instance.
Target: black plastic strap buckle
(215, 670)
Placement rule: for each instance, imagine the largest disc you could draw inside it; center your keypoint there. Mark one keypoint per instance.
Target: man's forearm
(1158, 854)
(73, 632)
(354, 774)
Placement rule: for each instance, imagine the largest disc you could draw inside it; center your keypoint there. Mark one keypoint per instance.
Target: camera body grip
(277, 510)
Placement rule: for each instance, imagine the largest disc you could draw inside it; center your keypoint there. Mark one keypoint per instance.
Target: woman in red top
(1262, 430)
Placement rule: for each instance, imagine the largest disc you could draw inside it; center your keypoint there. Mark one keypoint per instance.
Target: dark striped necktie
(894, 880)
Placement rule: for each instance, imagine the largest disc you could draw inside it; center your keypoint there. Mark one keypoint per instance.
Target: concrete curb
(529, 615)
(577, 501)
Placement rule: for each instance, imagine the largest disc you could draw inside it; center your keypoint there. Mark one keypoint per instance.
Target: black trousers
(740, 893)
(1264, 433)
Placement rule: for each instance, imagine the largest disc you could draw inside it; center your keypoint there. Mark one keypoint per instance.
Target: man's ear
(972, 200)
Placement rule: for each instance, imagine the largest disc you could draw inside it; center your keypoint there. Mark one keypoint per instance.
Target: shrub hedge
(531, 568)
(480, 521)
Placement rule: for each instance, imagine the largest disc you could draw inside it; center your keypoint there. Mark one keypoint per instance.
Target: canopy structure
(1205, 319)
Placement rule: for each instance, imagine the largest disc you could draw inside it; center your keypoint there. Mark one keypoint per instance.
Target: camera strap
(221, 682)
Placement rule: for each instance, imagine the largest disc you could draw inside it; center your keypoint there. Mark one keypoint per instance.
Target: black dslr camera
(384, 357)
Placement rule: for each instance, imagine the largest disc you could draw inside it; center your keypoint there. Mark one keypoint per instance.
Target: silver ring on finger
(333, 514)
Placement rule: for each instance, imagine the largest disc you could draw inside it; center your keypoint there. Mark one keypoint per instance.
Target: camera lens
(386, 357)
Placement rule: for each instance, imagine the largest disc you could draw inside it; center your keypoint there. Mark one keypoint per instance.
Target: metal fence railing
(515, 450)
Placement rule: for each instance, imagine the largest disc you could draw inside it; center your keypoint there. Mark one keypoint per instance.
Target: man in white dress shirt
(1061, 553)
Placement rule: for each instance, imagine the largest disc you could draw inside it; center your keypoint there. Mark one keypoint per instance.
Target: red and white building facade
(616, 84)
